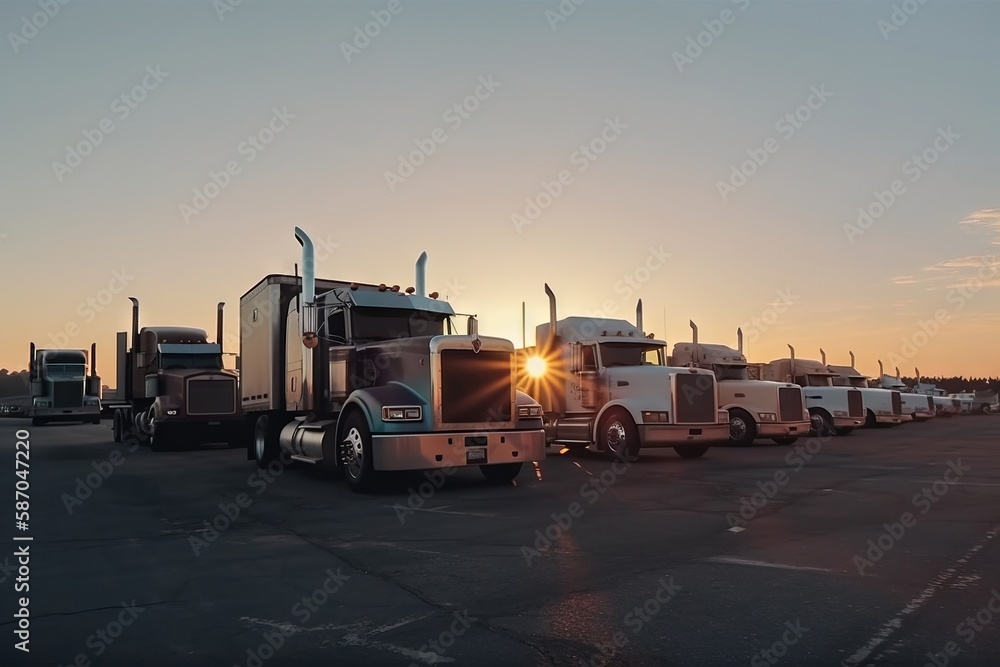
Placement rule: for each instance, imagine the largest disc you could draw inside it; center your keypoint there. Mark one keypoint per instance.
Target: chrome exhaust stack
(552, 310)
(135, 323)
(420, 279)
(739, 339)
(218, 325)
(93, 360)
(31, 363)
(307, 320)
(822, 356)
(694, 332)
(852, 361)
(881, 372)
(638, 317)
(792, 364)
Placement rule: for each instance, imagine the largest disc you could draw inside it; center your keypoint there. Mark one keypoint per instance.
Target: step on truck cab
(883, 407)
(603, 384)
(757, 408)
(919, 407)
(833, 410)
(175, 387)
(61, 389)
(367, 378)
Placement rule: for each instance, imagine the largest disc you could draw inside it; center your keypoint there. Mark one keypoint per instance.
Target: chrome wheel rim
(354, 452)
(737, 428)
(259, 438)
(615, 437)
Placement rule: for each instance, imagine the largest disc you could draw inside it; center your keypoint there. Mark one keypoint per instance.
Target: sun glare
(536, 367)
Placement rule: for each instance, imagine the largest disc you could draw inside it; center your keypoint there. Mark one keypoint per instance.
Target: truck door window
(653, 357)
(337, 327)
(589, 358)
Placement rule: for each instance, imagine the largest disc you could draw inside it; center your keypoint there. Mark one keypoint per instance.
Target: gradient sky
(655, 188)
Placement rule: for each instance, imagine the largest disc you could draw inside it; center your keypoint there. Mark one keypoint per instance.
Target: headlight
(529, 411)
(402, 413)
(651, 417)
(41, 403)
(768, 417)
(171, 413)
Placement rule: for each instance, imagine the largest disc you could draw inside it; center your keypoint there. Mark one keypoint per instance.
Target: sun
(536, 367)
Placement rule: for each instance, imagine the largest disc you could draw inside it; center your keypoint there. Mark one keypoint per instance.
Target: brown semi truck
(175, 386)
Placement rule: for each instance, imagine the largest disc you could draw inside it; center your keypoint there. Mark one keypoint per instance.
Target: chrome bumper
(778, 429)
(422, 451)
(848, 422)
(669, 435)
(69, 414)
(894, 420)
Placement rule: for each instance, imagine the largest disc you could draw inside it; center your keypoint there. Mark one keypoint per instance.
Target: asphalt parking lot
(880, 548)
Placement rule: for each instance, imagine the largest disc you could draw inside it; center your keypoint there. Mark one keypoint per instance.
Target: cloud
(904, 280)
(958, 272)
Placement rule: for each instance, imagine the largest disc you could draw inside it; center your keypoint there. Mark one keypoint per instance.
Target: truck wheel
(117, 427)
(159, 439)
(742, 428)
(265, 441)
(785, 440)
(870, 421)
(356, 452)
(691, 451)
(822, 423)
(984, 408)
(618, 436)
(501, 473)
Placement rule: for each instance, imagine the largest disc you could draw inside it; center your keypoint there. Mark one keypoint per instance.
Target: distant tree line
(14, 384)
(958, 384)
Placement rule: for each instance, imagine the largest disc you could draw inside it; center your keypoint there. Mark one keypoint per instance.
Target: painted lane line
(438, 510)
(732, 560)
(935, 584)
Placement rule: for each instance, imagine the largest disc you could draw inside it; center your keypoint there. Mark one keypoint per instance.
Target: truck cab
(757, 408)
(944, 406)
(61, 389)
(604, 384)
(833, 410)
(175, 387)
(883, 407)
(369, 378)
(919, 407)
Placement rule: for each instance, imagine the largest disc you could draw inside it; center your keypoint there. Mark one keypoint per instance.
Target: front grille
(67, 394)
(211, 397)
(790, 404)
(475, 388)
(855, 406)
(694, 398)
(897, 403)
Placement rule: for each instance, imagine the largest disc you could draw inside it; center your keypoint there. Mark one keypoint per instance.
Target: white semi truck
(919, 407)
(943, 405)
(61, 389)
(833, 410)
(604, 384)
(883, 407)
(757, 408)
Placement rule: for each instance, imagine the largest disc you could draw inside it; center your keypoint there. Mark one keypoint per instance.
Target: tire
(502, 473)
(117, 427)
(984, 409)
(160, 440)
(742, 428)
(355, 448)
(265, 441)
(870, 421)
(822, 422)
(785, 440)
(618, 436)
(691, 451)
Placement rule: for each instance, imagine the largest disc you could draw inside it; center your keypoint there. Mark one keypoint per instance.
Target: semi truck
(61, 389)
(367, 378)
(757, 408)
(832, 410)
(943, 405)
(918, 406)
(981, 401)
(883, 407)
(604, 384)
(175, 387)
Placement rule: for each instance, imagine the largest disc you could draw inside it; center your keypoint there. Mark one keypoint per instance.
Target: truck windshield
(724, 372)
(65, 371)
(859, 382)
(814, 381)
(375, 324)
(173, 361)
(630, 354)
